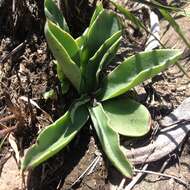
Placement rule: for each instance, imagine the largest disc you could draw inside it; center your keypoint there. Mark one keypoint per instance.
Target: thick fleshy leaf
(134, 70)
(127, 117)
(56, 136)
(53, 13)
(65, 50)
(109, 140)
(104, 54)
(95, 38)
(63, 80)
(98, 10)
(66, 40)
(82, 39)
(108, 57)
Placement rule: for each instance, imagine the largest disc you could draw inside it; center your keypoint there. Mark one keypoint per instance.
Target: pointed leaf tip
(55, 137)
(65, 51)
(136, 69)
(109, 140)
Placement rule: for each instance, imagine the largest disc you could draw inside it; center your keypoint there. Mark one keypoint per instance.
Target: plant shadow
(57, 172)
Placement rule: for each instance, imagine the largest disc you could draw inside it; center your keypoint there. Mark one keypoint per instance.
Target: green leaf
(56, 136)
(82, 39)
(128, 15)
(94, 39)
(103, 56)
(98, 10)
(108, 24)
(64, 50)
(110, 141)
(53, 13)
(108, 57)
(66, 40)
(175, 25)
(49, 94)
(156, 4)
(63, 80)
(136, 69)
(127, 117)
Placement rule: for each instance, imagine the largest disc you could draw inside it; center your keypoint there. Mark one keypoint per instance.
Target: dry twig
(136, 179)
(86, 172)
(161, 174)
(15, 50)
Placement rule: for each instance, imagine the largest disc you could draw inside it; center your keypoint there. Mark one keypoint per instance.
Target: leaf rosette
(80, 62)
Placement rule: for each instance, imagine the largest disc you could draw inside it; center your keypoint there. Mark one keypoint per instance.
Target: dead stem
(161, 174)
